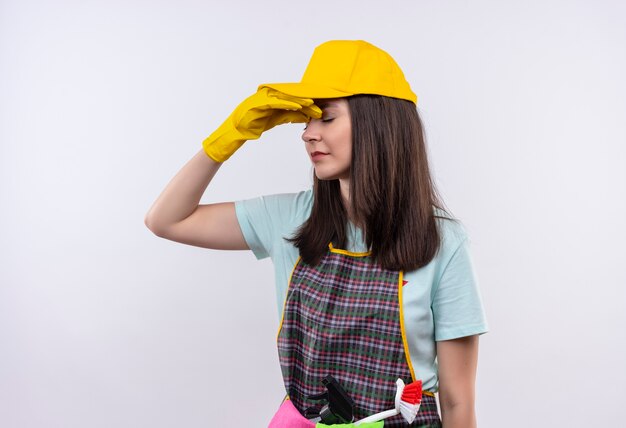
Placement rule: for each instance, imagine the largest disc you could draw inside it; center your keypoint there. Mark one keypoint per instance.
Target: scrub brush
(408, 400)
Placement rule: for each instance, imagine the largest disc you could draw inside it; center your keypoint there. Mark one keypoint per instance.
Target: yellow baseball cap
(341, 68)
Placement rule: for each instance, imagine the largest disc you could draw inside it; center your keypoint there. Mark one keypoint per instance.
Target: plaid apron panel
(342, 318)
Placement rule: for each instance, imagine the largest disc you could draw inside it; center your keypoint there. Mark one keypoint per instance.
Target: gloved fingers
(265, 106)
(266, 101)
(260, 101)
(312, 111)
(254, 116)
(308, 105)
(254, 125)
(280, 118)
(305, 102)
(279, 104)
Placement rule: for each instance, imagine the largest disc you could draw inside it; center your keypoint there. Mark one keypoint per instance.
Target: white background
(102, 324)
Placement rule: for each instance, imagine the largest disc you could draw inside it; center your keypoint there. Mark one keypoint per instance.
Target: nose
(311, 133)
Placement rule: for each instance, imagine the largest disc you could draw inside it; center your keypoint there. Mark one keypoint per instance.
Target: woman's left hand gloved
(258, 113)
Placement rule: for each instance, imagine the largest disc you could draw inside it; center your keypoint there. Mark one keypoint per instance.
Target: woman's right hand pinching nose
(256, 114)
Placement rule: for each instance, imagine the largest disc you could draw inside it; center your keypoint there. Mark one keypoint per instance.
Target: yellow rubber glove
(256, 114)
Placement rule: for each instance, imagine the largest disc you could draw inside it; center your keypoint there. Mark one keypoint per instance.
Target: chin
(327, 177)
(331, 175)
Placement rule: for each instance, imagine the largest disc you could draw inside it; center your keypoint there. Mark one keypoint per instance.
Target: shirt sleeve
(267, 219)
(457, 305)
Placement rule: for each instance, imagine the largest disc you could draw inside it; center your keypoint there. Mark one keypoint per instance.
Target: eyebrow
(327, 103)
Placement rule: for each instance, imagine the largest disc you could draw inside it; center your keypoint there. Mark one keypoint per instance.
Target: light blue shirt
(441, 300)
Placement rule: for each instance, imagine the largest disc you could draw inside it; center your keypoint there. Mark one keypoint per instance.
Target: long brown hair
(392, 194)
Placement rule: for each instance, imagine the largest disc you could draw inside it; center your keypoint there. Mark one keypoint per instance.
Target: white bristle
(409, 411)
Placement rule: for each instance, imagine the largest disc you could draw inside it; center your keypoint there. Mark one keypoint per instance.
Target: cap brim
(306, 90)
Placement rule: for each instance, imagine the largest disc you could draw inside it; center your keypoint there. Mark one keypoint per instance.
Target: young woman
(374, 277)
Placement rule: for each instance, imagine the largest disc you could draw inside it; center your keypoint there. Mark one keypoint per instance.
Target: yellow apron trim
(347, 253)
(282, 316)
(404, 341)
(432, 394)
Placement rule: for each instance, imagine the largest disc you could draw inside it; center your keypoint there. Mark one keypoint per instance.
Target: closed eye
(328, 119)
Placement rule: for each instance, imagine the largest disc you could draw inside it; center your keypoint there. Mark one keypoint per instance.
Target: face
(328, 140)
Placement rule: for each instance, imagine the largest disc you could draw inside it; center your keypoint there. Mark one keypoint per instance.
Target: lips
(318, 155)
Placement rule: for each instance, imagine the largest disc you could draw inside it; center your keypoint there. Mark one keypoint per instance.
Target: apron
(344, 318)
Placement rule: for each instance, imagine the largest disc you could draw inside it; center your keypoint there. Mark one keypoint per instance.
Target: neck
(344, 187)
